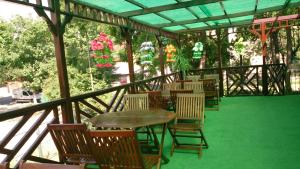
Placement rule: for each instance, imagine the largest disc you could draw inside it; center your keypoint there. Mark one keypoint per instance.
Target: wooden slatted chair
(136, 102)
(194, 78)
(139, 102)
(189, 123)
(195, 86)
(26, 165)
(156, 100)
(217, 80)
(173, 95)
(171, 86)
(119, 149)
(72, 143)
(4, 166)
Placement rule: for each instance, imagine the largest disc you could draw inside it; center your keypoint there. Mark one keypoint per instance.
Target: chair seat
(186, 126)
(150, 160)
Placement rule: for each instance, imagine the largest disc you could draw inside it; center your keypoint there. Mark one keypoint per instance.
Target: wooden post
(161, 55)
(263, 39)
(61, 64)
(127, 35)
(221, 87)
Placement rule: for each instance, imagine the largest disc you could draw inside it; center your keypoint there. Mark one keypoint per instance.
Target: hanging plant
(102, 47)
(147, 53)
(198, 49)
(170, 52)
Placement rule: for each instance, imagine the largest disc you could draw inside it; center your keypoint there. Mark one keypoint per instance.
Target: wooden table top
(132, 119)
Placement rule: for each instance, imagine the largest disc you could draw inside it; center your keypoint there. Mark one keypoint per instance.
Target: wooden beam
(279, 18)
(219, 43)
(126, 33)
(61, 64)
(161, 55)
(167, 7)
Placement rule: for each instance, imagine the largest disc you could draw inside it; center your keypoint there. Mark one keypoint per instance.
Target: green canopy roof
(189, 15)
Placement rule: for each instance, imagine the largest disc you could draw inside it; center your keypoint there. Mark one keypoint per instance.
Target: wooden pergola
(173, 19)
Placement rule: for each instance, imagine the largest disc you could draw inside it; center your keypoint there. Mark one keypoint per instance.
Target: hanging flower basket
(198, 49)
(170, 52)
(147, 53)
(102, 47)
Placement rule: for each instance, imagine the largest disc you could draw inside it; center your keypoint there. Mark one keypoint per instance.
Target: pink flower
(99, 65)
(108, 65)
(96, 45)
(110, 44)
(105, 57)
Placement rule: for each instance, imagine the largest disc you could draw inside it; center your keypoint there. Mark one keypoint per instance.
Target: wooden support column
(126, 33)
(263, 35)
(57, 30)
(161, 55)
(219, 43)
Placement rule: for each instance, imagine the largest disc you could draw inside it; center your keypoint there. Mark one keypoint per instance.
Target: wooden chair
(136, 102)
(171, 86)
(173, 95)
(139, 102)
(72, 143)
(25, 165)
(217, 80)
(193, 77)
(155, 99)
(119, 149)
(4, 166)
(188, 123)
(195, 86)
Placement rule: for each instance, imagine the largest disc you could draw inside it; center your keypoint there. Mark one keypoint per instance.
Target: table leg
(161, 156)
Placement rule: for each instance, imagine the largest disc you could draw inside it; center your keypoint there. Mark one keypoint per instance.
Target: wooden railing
(27, 121)
(248, 80)
(111, 99)
(19, 137)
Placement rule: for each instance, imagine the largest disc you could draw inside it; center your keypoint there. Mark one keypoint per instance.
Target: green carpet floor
(247, 133)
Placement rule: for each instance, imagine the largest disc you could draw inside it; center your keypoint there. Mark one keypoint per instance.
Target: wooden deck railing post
(57, 29)
(219, 41)
(126, 33)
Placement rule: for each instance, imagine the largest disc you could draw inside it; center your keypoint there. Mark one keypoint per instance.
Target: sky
(9, 10)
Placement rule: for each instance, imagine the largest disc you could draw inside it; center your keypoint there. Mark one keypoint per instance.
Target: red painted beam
(280, 18)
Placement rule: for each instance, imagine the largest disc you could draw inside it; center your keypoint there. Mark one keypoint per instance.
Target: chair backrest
(173, 94)
(72, 142)
(4, 166)
(209, 84)
(171, 86)
(212, 76)
(155, 99)
(136, 102)
(116, 149)
(190, 106)
(193, 77)
(195, 86)
(25, 165)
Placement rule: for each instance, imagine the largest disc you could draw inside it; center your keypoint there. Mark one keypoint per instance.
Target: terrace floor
(260, 132)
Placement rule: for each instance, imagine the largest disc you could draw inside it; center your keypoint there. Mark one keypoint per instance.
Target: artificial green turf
(260, 132)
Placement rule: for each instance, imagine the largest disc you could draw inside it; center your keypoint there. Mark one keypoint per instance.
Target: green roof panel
(196, 25)
(178, 14)
(212, 9)
(117, 6)
(154, 3)
(151, 18)
(242, 18)
(174, 28)
(234, 6)
(218, 22)
(270, 3)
